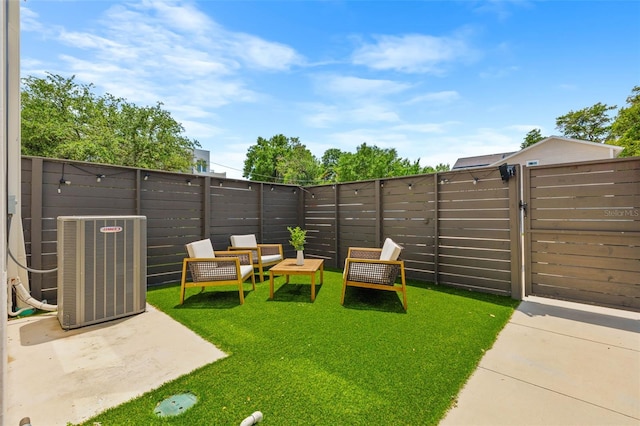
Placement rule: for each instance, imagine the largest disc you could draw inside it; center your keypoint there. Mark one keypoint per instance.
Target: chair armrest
(270, 249)
(364, 253)
(212, 269)
(254, 250)
(245, 257)
(373, 271)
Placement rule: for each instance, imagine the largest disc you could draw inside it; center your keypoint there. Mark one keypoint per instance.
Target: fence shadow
(213, 299)
(587, 315)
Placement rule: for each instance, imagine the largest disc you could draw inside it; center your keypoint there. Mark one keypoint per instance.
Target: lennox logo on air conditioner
(111, 229)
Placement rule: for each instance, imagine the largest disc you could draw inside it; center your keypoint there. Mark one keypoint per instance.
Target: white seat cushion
(244, 241)
(390, 250)
(271, 258)
(246, 270)
(201, 249)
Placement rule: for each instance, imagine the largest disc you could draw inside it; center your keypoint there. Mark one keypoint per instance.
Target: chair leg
(261, 273)
(344, 289)
(404, 289)
(183, 281)
(253, 281)
(241, 291)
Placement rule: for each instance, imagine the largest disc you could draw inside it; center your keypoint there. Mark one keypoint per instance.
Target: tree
(62, 119)
(532, 137)
(625, 130)
(280, 159)
(371, 162)
(591, 123)
(330, 160)
(299, 166)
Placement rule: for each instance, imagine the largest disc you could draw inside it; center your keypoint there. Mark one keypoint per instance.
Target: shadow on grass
(501, 300)
(218, 299)
(373, 300)
(293, 292)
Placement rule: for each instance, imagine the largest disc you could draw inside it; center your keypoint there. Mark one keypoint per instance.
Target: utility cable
(35, 271)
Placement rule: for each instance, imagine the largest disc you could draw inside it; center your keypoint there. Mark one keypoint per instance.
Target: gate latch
(523, 207)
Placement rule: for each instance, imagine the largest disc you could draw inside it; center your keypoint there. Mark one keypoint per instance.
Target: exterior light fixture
(146, 176)
(99, 178)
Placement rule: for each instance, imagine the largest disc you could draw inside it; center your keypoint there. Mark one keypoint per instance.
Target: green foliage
(62, 119)
(298, 237)
(286, 160)
(371, 162)
(321, 363)
(532, 137)
(330, 160)
(441, 167)
(299, 166)
(590, 124)
(625, 130)
(280, 159)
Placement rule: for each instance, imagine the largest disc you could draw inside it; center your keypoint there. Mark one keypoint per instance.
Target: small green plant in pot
(298, 240)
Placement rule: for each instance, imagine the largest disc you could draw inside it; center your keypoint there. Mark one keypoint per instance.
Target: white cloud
(322, 115)
(413, 53)
(29, 21)
(258, 53)
(356, 86)
(446, 96)
(180, 16)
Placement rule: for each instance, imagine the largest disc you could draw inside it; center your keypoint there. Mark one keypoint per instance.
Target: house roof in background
(494, 159)
(480, 160)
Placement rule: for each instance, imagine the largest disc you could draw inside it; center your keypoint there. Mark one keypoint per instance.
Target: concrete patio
(57, 376)
(555, 363)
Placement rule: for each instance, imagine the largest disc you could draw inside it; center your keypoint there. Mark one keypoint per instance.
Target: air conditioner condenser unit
(102, 268)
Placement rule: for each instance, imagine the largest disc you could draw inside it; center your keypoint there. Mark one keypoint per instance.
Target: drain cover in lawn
(175, 404)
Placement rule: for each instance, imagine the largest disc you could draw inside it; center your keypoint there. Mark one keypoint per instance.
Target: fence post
(206, 207)
(36, 226)
(436, 228)
(336, 224)
(378, 203)
(514, 233)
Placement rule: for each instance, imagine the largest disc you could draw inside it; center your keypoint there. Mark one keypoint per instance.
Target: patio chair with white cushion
(264, 255)
(220, 268)
(375, 268)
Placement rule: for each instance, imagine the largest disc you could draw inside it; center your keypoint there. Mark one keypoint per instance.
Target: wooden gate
(582, 232)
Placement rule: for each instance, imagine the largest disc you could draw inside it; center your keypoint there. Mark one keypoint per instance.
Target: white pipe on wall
(9, 160)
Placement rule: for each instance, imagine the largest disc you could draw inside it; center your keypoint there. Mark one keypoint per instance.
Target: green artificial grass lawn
(321, 363)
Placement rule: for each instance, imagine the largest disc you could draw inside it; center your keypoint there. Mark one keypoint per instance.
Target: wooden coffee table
(288, 267)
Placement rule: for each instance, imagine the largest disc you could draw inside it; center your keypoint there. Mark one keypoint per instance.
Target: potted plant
(298, 240)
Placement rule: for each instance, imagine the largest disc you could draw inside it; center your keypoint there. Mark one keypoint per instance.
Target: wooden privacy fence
(582, 232)
(457, 228)
(460, 228)
(180, 208)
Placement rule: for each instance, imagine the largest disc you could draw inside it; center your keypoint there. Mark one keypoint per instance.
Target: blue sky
(434, 80)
